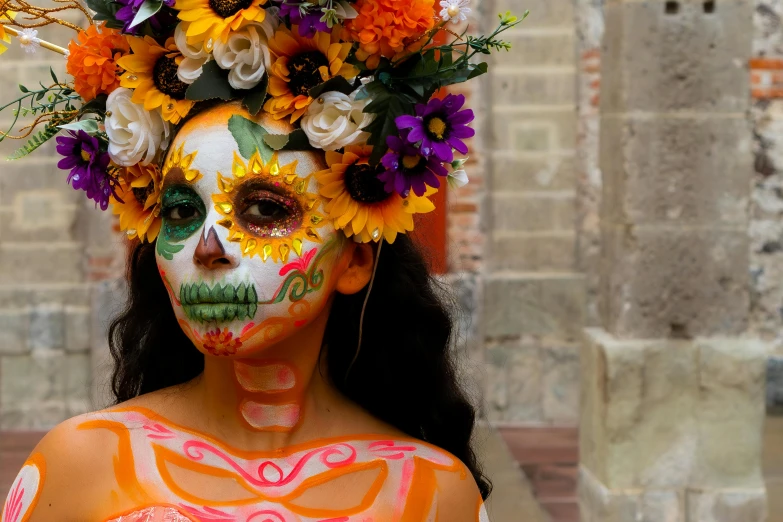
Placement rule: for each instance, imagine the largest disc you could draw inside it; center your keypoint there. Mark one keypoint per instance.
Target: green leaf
(96, 106)
(23, 88)
(338, 83)
(383, 125)
(54, 77)
(213, 83)
(298, 140)
(147, 10)
(254, 99)
(479, 69)
(166, 249)
(250, 137)
(88, 126)
(276, 141)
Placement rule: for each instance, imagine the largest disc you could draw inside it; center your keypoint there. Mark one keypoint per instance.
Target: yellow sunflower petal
(360, 220)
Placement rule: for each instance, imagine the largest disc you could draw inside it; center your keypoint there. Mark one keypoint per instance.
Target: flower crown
(359, 79)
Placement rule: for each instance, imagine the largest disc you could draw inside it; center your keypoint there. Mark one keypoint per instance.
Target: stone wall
(534, 296)
(53, 245)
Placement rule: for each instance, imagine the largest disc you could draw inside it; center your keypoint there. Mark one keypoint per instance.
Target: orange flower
(385, 28)
(93, 61)
(299, 65)
(221, 343)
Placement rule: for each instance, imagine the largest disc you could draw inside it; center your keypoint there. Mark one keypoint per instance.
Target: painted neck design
(273, 398)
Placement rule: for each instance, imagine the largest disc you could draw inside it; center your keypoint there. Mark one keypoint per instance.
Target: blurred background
(617, 256)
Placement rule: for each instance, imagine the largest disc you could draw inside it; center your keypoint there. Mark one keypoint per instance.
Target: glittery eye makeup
(183, 212)
(268, 213)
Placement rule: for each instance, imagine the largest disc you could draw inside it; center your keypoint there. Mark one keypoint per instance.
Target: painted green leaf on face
(250, 137)
(165, 249)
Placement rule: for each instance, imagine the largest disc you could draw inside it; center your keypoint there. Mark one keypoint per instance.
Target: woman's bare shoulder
(63, 474)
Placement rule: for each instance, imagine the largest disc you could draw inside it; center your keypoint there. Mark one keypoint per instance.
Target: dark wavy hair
(405, 373)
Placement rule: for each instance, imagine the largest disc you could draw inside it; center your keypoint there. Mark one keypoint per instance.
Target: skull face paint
(244, 249)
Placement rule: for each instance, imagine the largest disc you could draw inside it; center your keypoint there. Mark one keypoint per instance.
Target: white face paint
(245, 250)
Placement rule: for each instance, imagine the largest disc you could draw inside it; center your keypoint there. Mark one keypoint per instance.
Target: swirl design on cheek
(267, 208)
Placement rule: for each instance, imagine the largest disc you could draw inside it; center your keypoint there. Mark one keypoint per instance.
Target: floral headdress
(359, 79)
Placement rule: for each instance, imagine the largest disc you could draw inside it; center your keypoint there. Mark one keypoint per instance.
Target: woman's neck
(272, 399)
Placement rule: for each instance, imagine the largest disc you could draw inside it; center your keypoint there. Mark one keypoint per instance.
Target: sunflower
(358, 203)
(207, 20)
(151, 71)
(137, 202)
(301, 64)
(269, 241)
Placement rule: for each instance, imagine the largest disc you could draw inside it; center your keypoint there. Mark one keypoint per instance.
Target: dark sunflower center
(363, 185)
(226, 8)
(437, 127)
(166, 80)
(141, 194)
(411, 162)
(303, 72)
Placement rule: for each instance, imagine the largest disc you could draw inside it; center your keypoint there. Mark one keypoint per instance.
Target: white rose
(246, 53)
(194, 57)
(335, 120)
(135, 134)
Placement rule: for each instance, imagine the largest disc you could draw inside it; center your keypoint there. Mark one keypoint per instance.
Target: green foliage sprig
(417, 76)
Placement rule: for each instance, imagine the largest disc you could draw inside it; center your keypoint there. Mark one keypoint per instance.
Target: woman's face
(244, 250)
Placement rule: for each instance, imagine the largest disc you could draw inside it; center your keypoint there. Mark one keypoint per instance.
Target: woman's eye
(267, 211)
(181, 212)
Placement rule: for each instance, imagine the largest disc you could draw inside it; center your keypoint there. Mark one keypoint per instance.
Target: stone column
(672, 384)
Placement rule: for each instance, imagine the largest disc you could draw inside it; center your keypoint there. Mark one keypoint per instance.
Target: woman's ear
(357, 274)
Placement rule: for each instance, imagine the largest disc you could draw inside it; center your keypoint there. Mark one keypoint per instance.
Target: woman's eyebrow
(173, 176)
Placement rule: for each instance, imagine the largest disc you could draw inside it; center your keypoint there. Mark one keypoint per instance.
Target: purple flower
(128, 11)
(440, 126)
(407, 168)
(309, 23)
(88, 165)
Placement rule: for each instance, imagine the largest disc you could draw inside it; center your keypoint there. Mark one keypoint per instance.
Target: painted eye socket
(265, 208)
(182, 212)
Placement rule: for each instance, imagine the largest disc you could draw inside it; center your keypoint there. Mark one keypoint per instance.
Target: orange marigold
(384, 28)
(93, 61)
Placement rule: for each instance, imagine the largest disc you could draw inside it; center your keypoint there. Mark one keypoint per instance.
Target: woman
(284, 355)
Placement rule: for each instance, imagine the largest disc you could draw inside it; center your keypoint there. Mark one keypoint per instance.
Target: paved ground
(512, 499)
(773, 467)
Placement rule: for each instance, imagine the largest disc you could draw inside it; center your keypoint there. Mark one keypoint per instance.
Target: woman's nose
(210, 252)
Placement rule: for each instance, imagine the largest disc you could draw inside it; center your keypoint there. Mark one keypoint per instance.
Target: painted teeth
(220, 303)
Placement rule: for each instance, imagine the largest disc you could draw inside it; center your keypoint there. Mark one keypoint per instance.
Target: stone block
(30, 175)
(675, 170)
(550, 212)
(32, 390)
(514, 172)
(77, 383)
(537, 49)
(775, 384)
(743, 505)
(547, 305)
(14, 325)
(560, 384)
(679, 282)
(497, 381)
(543, 13)
(25, 295)
(38, 210)
(533, 87)
(656, 62)
(41, 263)
(77, 329)
(523, 131)
(107, 299)
(638, 419)
(525, 252)
(524, 384)
(731, 413)
(47, 328)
